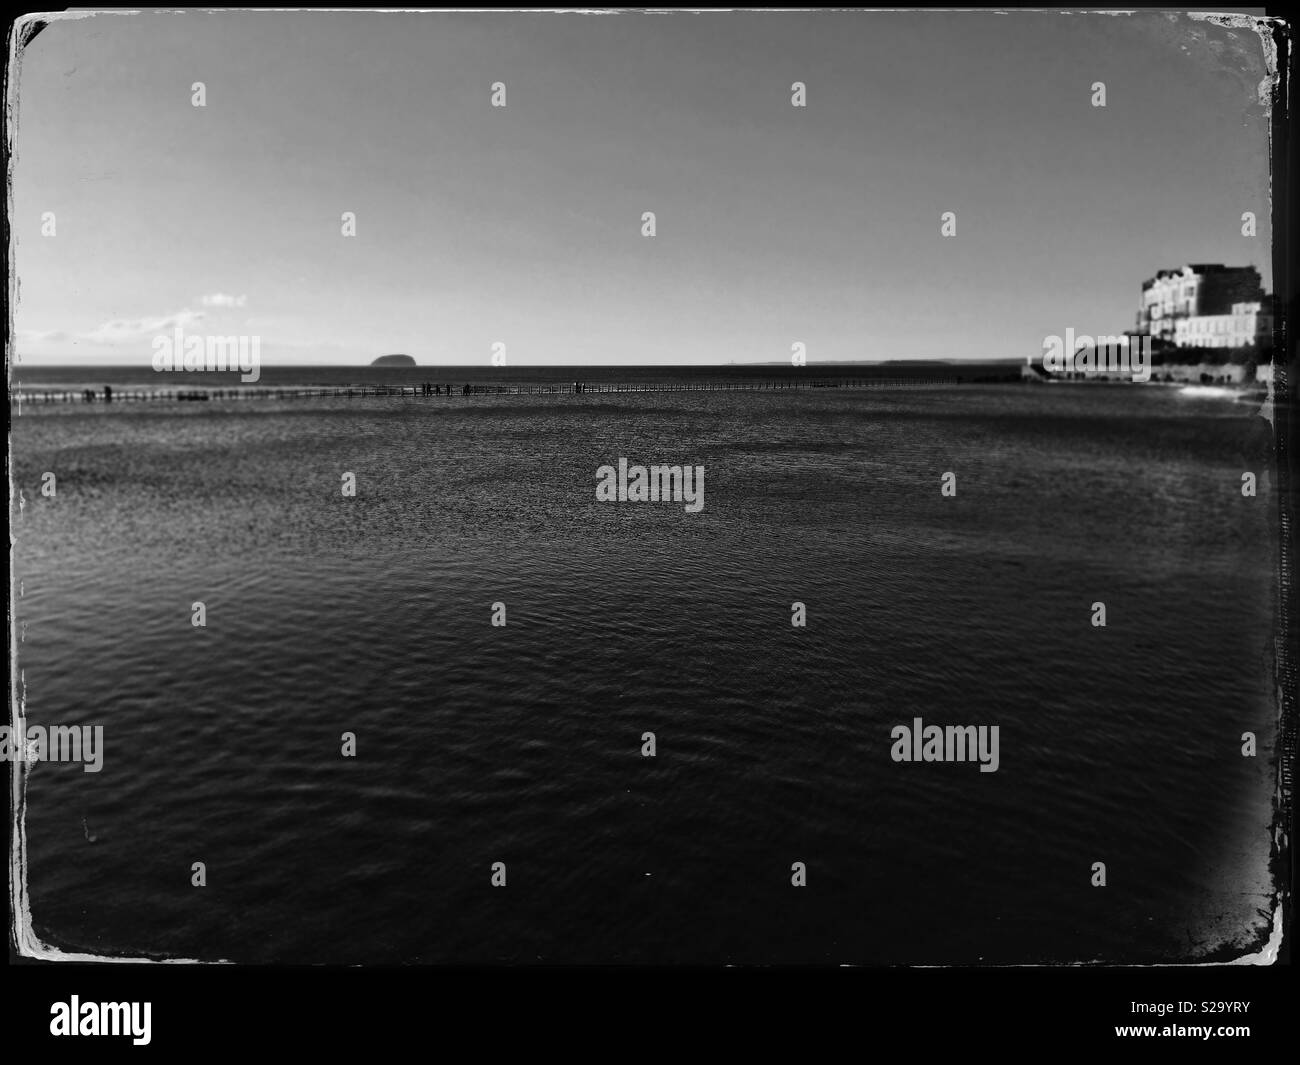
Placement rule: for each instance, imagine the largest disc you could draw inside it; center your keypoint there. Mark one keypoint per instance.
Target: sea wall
(1222, 373)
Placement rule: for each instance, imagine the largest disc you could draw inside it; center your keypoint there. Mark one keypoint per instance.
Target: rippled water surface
(522, 744)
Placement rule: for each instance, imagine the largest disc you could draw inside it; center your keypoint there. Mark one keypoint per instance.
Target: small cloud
(123, 329)
(220, 299)
(34, 336)
(118, 331)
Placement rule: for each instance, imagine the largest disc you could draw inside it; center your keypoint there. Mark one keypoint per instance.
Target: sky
(522, 225)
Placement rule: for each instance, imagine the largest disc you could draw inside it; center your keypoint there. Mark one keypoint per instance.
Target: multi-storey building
(1246, 324)
(1199, 290)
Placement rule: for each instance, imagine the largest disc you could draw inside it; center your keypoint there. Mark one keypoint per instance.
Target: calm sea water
(479, 744)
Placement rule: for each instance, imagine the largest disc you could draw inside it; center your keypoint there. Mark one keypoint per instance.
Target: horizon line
(536, 365)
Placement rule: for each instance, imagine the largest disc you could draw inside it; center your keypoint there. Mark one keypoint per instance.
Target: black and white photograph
(664, 491)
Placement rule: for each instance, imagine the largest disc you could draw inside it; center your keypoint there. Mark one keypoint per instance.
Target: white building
(1192, 291)
(1246, 324)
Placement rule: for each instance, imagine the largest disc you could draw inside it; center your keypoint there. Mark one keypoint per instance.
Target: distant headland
(394, 360)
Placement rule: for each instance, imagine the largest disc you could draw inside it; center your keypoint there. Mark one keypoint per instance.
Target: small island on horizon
(393, 360)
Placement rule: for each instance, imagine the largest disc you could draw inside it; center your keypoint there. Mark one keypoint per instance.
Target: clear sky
(522, 224)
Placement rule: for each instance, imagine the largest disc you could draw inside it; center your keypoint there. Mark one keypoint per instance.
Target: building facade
(1202, 291)
(1245, 324)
